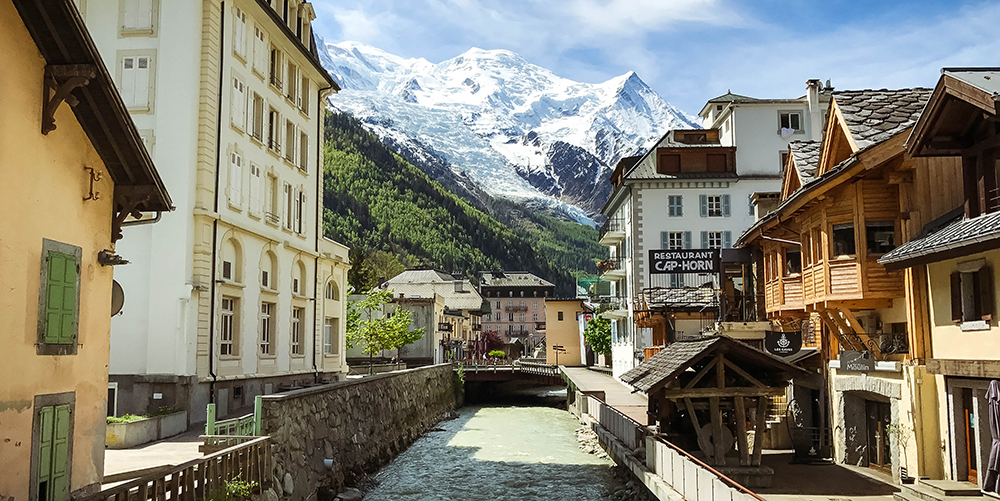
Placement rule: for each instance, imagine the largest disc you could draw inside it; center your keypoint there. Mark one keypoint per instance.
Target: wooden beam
(741, 431)
(704, 370)
(852, 321)
(724, 392)
(758, 433)
(694, 417)
(746, 375)
(904, 177)
(720, 452)
(720, 371)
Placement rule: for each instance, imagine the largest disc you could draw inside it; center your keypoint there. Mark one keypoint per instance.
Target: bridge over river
(537, 372)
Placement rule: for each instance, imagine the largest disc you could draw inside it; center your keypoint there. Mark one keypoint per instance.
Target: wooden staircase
(939, 490)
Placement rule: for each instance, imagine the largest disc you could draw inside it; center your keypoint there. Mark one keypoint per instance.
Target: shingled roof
(513, 279)
(680, 297)
(876, 115)
(966, 235)
(729, 97)
(805, 157)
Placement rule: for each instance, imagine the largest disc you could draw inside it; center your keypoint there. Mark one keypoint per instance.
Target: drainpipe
(320, 117)
(215, 222)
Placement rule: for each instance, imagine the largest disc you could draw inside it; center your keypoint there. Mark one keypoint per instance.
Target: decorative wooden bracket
(126, 203)
(95, 175)
(60, 81)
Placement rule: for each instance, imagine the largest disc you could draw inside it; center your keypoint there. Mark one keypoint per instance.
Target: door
(969, 427)
(877, 421)
(53, 453)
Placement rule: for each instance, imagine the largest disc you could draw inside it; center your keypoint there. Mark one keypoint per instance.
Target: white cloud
(355, 24)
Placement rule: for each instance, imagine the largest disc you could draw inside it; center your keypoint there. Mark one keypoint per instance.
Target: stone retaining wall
(360, 425)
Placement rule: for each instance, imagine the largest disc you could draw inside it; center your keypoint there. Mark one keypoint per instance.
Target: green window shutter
(46, 430)
(60, 454)
(704, 240)
(664, 240)
(61, 297)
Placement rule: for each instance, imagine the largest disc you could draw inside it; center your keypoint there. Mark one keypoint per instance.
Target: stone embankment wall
(359, 424)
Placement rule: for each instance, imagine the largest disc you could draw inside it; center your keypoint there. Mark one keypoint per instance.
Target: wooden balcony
(784, 293)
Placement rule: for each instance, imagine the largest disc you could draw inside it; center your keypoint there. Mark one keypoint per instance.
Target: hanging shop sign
(857, 361)
(684, 261)
(783, 344)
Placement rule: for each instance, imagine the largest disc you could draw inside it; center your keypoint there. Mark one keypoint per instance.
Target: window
(134, 81)
(274, 130)
(295, 285)
(331, 344)
(284, 12)
(667, 163)
(290, 136)
(521, 304)
(297, 315)
(269, 271)
(300, 206)
(292, 90)
(238, 104)
(676, 280)
(673, 240)
(274, 65)
(257, 125)
(881, 236)
(256, 189)
(790, 120)
(521, 317)
(793, 262)
(510, 317)
(266, 327)
(240, 32)
(303, 151)
(227, 334)
(59, 298)
(972, 295)
(289, 206)
(816, 245)
(843, 239)
(534, 317)
(750, 205)
(559, 316)
(783, 157)
(716, 239)
(271, 205)
(304, 96)
(52, 447)
(260, 51)
(332, 292)
(714, 205)
(265, 279)
(675, 205)
(137, 17)
(235, 191)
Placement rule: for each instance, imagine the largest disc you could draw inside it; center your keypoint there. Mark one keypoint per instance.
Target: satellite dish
(117, 298)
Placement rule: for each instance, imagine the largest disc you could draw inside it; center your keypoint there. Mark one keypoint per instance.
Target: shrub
(233, 490)
(127, 418)
(497, 354)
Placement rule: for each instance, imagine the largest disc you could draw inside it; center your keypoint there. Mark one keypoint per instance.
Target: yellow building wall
(947, 339)
(565, 333)
(44, 184)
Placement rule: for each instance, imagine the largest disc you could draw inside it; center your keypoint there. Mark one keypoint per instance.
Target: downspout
(320, 117)
(215, 208)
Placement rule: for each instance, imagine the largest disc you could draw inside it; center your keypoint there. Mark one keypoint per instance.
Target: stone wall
(359, 424)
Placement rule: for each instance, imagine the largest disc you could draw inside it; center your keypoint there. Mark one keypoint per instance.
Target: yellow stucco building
(73, 167)
(563, 337)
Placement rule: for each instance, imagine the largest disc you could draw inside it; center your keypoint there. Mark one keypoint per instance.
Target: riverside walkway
(616, 393)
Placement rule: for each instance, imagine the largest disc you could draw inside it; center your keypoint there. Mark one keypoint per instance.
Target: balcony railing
(880, 344)
(613, 225)
(515, 308)
(611, 264)
(445, 327)
(614, 302)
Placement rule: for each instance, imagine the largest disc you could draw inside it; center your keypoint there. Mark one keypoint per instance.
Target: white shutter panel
(236, 179)
(254, 188)
(128, 81)
(145, 14)
(131, 7)
(142, 82)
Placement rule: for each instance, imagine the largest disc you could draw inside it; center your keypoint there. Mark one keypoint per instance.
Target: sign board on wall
(684, 261)
(857, 361)
(783, 344)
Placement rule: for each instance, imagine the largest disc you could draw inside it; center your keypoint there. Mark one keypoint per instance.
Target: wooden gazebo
(720, 387)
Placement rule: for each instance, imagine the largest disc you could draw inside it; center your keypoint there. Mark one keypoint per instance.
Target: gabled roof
(729, 97)
(677, 298)
(872, 116)
(960, 95)
(962, 237)
(63, 40)
(427, 283)
(677, 357)
(513, 279)
(805, 159)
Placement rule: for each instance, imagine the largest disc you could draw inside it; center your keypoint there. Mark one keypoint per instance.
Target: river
(497, 452)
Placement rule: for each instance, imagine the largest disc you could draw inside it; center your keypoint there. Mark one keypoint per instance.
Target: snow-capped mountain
(516, 129)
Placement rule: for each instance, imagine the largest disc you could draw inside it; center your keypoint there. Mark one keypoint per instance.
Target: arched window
(232, 261)
(299, 279)
(268, 270)
(332, 292)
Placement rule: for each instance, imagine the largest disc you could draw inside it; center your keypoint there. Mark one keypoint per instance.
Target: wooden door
(969, 422)
(877, 420)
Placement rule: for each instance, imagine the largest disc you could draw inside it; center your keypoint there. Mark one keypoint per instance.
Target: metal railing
(248, 425)
(515, 308)
(613, 224)
(199, 479)
(611, 264)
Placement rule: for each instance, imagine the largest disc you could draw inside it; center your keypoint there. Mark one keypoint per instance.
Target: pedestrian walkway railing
(215, 443)
(536, 368)
(199, 479)
(248, 425)
(627, 430)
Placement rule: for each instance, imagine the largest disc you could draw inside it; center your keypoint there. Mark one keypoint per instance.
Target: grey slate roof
(876, 115)
(805, 157)
(680, 297)
(668, 363)
(514, 279)
(987, 79)
(427, 283)
(956, 235)
(729, 97)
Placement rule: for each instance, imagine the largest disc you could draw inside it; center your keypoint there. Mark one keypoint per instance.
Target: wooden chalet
(716, 389)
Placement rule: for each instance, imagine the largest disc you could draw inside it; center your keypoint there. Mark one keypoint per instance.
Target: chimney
(815, 112)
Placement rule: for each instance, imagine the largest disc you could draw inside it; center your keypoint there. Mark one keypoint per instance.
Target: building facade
(564, 343)
(695, 189)
(517, 306)
(232, 295)
(78, 169)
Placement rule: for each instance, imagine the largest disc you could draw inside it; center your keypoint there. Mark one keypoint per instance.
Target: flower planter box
(126, 435)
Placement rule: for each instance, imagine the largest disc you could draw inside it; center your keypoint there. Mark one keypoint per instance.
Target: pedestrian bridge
(518, 370)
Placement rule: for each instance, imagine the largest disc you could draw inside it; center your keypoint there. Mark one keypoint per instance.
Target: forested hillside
(375, 201)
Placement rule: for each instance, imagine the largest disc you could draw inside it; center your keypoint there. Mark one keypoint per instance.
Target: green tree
(598, 335)
(381, 265)
(373, 333)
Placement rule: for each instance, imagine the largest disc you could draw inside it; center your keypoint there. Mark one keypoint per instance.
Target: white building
(695, 189)
(236, 293)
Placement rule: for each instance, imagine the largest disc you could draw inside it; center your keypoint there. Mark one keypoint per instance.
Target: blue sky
(690, 50)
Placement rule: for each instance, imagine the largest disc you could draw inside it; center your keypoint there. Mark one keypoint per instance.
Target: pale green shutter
(664, 240)
(46, 421)
(61, 296)
(703, 204)
(687, 239)
(60, 454)
(725, 205)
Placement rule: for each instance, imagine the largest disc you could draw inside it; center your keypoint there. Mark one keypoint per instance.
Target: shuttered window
(257, 117)
(61, 298)
(714, 205)
(138, 15)
(304, 96)
(288, 206)
(134, 85)
(238, 104)
(260, 51)
(240, 32)
(256, 189)
(303, 151)
(675, 205)
(972, 296)
(235, 179)
(53, 452)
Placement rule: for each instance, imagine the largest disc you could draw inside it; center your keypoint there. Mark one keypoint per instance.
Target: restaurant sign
(783, 344)
(857, 361)
(684, 261)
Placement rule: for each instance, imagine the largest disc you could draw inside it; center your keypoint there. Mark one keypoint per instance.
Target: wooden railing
(215, 443)
(199, 479)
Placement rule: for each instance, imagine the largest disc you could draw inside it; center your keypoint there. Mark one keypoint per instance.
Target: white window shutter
(254, 188)
(128, 81)
(142, 64)
(131, 13)
(145, 14)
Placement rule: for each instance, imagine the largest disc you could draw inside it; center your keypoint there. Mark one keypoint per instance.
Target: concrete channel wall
(328, 436)
(666, 472)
